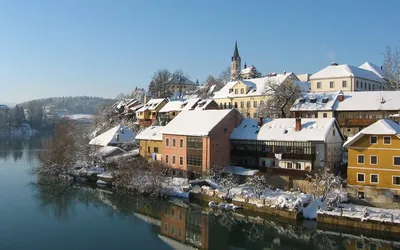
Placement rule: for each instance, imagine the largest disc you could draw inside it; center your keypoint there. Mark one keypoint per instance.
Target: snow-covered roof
(116, 135)
(136, 107)
(203, 104)
(345, 70)
(316, 101)
(237, 170)
(107, 150)
(195, 122)
(283, 129)
(152, 133)
(190, 103)
(374, 68)
(369, 101)
(151, 105)
(381, 127)
(257, 85)
(172, 106)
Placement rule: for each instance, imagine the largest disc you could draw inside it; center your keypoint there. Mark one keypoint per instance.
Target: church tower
(236, 66)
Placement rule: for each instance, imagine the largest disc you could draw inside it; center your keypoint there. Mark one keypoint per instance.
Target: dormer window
(236, 91)
(313, 100)
(302, 100)
(241, 91)
(230, 90)
(325, 99)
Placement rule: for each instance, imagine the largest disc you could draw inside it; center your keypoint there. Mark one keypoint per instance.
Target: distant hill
(74, 105)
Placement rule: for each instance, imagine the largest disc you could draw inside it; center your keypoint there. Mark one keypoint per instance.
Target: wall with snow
(375, 197)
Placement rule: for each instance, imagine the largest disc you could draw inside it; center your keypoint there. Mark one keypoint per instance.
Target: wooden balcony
(356, 122)
(288, 156)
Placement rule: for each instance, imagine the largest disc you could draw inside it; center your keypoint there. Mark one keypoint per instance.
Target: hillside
(74, 105)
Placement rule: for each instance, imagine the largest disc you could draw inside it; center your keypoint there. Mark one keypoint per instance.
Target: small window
(181, 143)
(262, 163)
(165, 227)
(331, 85)
(344, 84)
(166, 158)
(255, 104)
(374, 178)
(360, 159)
(386, 140)
(241, 91)
(396, 198)
(372, 246)
(298, 165)
(357, 83)
(365, 85)
(173, 143)
(373, 140)
(396, 180)
(173, 159)
(180, 214)
(318, 85)
(248, 104)
(324, 115)
(361, 195)
(155, 149)
(374, 159)
(360, 178)
(334, 132)
(242, 104)
(167, 142)
(236, 105)
(289, 165)
(173, 229)
(180, 233)
(396, 161)
(236, 91)
(181, 160)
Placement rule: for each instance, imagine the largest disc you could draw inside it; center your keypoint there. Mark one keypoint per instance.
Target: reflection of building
(373, 171)
(173, 222)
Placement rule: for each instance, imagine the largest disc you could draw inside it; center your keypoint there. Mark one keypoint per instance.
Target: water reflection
(180, 224)
(15, 149)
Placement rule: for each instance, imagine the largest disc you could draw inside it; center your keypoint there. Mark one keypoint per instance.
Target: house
(148, 114)
(248, 95)
(197, 139)
(353, 110)
(150, 143)
(373, 171)
(113, 137)
(335, 77)
(287, 143)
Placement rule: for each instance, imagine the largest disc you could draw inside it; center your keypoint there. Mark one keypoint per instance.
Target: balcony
(288, 156)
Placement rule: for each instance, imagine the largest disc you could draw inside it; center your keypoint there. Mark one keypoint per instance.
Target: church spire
(236, 51)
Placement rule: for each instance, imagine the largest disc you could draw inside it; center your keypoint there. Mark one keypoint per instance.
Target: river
(88, 217)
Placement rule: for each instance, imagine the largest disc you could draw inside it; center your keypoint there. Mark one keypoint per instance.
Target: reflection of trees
(16, 148)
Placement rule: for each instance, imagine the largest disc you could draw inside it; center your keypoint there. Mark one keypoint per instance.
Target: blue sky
(102, 48)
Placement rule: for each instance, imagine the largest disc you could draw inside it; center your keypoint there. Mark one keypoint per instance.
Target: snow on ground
(105, 175)
(310, 212)
(364, 213)
(88, 171)
(175, 187)
(79, 117)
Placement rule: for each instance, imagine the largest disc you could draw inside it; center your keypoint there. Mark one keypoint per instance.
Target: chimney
(341, 97)
(298, 123)
(284, 72)
(334, 64)
(260, 121)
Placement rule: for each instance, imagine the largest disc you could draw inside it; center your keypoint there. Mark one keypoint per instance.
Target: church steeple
(236, 62)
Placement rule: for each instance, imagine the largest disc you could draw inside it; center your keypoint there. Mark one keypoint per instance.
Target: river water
(88, 217)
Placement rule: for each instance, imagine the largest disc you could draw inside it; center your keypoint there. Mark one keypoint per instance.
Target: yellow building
(373, 172)
(247, 95)
(147, 114)
(150, 143)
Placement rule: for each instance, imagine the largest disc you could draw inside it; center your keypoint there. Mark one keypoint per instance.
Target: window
(324, 115)
(180, 233)
(173, 143)
(173, 213)
(369, 86)
(236, 91)
(167, 142)
(333, 132)
(241, 91)
(194, 160)
(242, 104)
(396, 180)
(373, 140)
(263, 164)
(173, 229)
(181, 160)
(386, 140)
(289, 165)
(230, 90)
(180, 215)
(357, 83)
(374, 160)
(236, 105)
(181, 143)
(396, 161)
(396, 198)
(331, 85)
(148, 149)
(318, 85)
(360, 178)
(360, 245)
(255, 104)
(344, 84)
(360, 159)
(255, 115)
(365, 85)
(372, 246)
(165, 227)
(361, 195)
(166, 158)
(173, 159)
(298, 165)
(374, 178)
(248, 104)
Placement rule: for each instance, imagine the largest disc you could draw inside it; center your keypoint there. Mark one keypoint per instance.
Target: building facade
(150, 143)
(373, 172)
(148, 114)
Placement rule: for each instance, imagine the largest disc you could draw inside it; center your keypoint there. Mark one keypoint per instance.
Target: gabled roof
(151, 105)
(369, 101)
(257, 85)
(116, 135)
(345, 70)
(316, 101)
(195, 122)
(283, 129)
(172, 106)
(203, 104)
(152, 133)
(372, 67)
(381, 127)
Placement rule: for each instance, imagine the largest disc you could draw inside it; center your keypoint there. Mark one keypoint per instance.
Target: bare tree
(391, 67)
(159, 86)
(258, 183)
(324, 183)
(179, 78)
(281, 97)
(225, 75)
